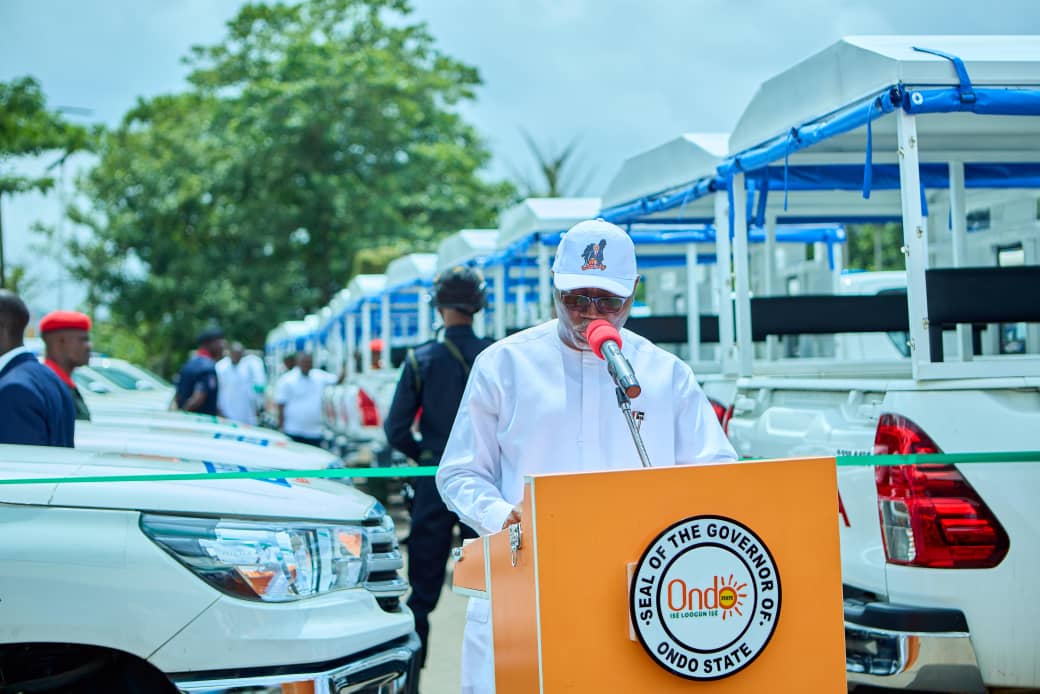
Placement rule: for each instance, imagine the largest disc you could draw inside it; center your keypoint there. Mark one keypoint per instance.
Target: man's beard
(578, 333)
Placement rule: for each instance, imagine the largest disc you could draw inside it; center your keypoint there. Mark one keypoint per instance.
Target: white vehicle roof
(411, 269)
(287, 332)
(366, 286)
(840, 79)
(188, 422)
(682, 160)
(97, 389)
(467, 245)
(303, 499)
(231, 448)
(543, 214)
(858, 67)
(340, 301)
(130, 369)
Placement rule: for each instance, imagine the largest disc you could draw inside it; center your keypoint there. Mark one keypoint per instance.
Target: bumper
(912, 648)
(388, 669)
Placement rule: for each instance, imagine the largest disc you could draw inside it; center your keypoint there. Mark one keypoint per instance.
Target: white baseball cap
(596, 253)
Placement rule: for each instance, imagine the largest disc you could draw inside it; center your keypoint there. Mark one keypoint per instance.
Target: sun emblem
(731, 598)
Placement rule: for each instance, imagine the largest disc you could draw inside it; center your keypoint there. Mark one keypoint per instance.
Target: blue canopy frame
(756, 167)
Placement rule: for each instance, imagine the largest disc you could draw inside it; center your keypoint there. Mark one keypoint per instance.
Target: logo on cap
(593, 256)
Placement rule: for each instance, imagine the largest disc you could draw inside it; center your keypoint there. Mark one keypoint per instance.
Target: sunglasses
(604, 304)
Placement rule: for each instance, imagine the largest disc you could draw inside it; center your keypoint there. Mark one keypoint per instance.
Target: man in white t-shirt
(541, 401)
(298, 396)
(237, 380)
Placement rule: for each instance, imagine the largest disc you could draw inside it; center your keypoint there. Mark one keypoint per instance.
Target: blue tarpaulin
(1010, 101)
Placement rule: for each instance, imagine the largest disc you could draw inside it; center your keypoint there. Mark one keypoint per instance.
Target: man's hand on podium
(513, 518)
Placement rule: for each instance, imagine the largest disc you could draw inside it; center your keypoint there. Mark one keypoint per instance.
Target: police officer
(432, 382)
(197, 380)
(66, 339)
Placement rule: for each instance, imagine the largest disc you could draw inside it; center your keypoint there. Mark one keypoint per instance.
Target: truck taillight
(369, 413)
(723, 413)
(930, 515)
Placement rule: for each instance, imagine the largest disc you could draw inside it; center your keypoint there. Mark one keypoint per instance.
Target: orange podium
(714, 578)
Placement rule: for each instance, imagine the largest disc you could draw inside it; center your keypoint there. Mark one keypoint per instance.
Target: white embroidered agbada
(535, 405)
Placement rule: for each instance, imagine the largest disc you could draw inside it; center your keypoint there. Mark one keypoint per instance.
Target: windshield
(87, 380)
(119, 377)
(149, 374)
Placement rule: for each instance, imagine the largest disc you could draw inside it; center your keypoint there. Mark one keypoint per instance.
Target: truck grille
(384, 563)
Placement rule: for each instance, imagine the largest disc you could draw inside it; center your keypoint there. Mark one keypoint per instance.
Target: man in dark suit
(35, 406)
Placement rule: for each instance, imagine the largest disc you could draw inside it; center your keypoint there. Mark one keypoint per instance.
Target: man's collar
(10, 354)
(61, 373)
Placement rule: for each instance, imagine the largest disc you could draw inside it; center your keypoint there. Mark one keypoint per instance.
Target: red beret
(64, 320)
(376, 344)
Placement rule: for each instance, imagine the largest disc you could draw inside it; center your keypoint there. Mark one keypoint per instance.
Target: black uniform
(199, 373)
(437, 391)
(82, 411)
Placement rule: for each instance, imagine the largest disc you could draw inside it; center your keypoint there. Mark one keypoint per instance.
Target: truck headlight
(264, 559)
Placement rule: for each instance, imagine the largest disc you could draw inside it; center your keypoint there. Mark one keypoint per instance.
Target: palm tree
(556, 169)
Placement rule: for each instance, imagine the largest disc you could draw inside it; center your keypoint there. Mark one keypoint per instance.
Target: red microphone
(605, 341)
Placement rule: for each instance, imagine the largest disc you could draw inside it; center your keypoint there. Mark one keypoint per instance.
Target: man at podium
(542, 401)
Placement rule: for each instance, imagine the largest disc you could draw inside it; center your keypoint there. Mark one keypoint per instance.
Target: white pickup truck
(938, 561)
(192, 586)
(353, 415)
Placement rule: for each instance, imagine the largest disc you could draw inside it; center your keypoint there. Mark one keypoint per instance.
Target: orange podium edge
(736, 573)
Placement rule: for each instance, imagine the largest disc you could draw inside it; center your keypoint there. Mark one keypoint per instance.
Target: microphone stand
(625, 404)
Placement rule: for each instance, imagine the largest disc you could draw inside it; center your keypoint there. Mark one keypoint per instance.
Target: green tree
(875, 246)
(315, 132)
(118, 340)
(27, 128)
(19, 280)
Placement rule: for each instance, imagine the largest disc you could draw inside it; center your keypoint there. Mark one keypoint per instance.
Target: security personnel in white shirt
(541, 401)
(432, 381)
(298, 396)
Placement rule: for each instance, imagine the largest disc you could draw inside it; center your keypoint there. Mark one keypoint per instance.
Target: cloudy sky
(622, 76)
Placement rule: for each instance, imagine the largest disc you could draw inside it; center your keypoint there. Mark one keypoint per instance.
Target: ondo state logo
(705, 597)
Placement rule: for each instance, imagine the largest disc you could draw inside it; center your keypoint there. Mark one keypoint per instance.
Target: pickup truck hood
(182, 422)
(145, 400)
(284, 499)
(200, 444)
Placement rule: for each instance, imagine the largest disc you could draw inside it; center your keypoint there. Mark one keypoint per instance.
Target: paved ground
(441, 674)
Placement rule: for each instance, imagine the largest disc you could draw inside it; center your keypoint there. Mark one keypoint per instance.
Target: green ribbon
(430, 471)
(940, 458)
(334, 473)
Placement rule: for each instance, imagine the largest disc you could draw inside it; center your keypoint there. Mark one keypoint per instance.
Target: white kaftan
(533, 405)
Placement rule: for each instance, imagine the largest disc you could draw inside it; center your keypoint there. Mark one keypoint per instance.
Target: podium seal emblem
(705, 597)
